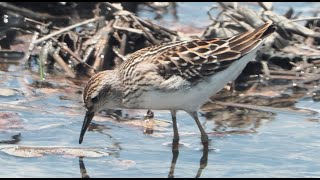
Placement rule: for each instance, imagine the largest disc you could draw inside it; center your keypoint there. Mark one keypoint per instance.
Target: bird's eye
(95, 99)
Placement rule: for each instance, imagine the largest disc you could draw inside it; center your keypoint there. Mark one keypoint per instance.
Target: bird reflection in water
(83, 170)
(175, 154)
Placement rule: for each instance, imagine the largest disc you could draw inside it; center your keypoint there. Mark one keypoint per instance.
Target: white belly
(191, 99)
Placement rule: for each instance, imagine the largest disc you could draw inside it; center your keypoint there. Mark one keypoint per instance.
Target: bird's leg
(175, 141)
(204, 136)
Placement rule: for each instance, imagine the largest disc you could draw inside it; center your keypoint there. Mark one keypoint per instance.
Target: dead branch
(66, 29)
(31, 14)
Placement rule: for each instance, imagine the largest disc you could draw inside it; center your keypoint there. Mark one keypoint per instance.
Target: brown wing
(193, 60)
(196, 59)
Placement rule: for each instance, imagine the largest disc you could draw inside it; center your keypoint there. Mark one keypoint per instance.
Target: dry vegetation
(287, 68)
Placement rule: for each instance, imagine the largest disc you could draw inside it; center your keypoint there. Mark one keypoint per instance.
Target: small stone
(7, 92)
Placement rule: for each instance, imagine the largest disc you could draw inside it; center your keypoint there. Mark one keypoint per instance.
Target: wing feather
(196, 59)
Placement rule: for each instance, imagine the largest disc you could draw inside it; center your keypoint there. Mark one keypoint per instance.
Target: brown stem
(65, 29)
(63, 65)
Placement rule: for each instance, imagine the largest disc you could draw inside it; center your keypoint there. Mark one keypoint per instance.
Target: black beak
(86, 122)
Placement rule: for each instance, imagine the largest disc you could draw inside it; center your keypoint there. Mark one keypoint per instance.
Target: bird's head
(101, 92)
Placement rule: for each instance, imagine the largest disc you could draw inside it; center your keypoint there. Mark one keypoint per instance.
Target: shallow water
(276, 145)
(195, 13)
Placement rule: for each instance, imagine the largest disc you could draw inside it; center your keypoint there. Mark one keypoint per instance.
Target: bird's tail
(250, 40)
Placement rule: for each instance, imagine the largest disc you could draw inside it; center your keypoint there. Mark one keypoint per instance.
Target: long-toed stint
(173, 76)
